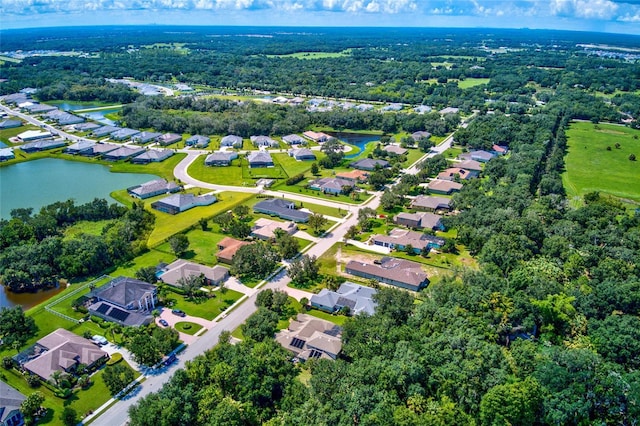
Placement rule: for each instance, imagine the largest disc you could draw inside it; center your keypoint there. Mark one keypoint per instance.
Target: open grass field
(471, 82)
(86, 227)
(205, 308)
(591, 167)
(314, 55)
(5, 134)
(202, 246)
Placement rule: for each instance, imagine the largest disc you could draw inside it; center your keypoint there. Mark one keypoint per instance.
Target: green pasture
(471, 82)
(591, 167)
(314, 55)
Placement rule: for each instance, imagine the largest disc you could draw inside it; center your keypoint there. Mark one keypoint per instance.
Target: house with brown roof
(398, 272)
(445, 187)
(471, 165)
(400, 239)
(227, 248)
(500, 149)
(420, 220)
(62, 350)
(429, 203)
(309, 337)
(356, 176)
(174, 273)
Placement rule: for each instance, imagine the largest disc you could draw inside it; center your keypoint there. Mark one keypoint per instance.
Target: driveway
(173, 319)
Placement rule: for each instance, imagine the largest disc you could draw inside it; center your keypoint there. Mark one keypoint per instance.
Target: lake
(41, 182)
(99, 116)
(358, 139)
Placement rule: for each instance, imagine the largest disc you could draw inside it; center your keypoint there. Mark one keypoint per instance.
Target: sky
(615, 16)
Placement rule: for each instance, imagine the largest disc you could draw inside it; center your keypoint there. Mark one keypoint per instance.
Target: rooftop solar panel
(297, 343)
(103, 308)
(118, 314)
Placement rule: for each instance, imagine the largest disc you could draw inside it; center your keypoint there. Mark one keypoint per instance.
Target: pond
(99, 116)
(358, 139)
(70, 106)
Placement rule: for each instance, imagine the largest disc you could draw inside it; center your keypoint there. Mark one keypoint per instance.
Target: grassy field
(314, 55)
(86, 227)
(591, 167)
(205, 308)
(202, 246)
(5, 134)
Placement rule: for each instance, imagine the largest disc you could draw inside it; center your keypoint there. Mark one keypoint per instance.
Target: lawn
(591, 167)
(230, 175)
(5, 134)
(163, 169)
(336, 319)
(314, 55)
(187, 327)
(204, 307)
(202, 246)
(86, 227)
(471, 82)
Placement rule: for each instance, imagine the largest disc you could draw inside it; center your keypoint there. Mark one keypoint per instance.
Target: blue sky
(618, 16)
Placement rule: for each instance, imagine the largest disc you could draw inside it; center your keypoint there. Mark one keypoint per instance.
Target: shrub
(295, 179)
(115, 358)
(7, 362)
(186, 326)
(63, 393)
(33, 380)
(632, 157)
(96, 319)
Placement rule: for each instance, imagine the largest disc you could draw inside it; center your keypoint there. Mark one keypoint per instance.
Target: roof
(43, 144)
(231, 140)
(169, 138)
(228, 247)
(155, 155)
(293, 139)
(152, 187)
(259, 157)
(369, 164)
(105, 130)
(266, 227)
(196, 139)
(307, 334)
(395, 149)
(33, 134)
(186, 201)
(285, 209)
(103, 148)
(359, 175)
(5, 124)
(302, 152)
(334, 184)
(500, 149)
(221, 156)
(449, 110)
(433, 203)
(263, 140)
(483, 155)
(64, 350)
(124, 152)
(451, 172)
(424, 219)
(86, 126)
(316, 136)
(181, 268)
(390, 268)
(444, 185)
(81, 145)
(358, 298)
(123, 291)
(146, 136)
(420, 135)
(472, 165)
(124, 133)
(10, 400)
(405, 237)
(6, 153)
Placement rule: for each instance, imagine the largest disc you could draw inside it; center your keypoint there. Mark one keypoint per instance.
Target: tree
(179, 244)
(632, 157)
(239, 229)
(147, 274)
(317, 222)
(224, 220)
(377, 180)
(204, 223)
(304, 270)
(261, 325)
(116, 377)
(314, 168)
(191, 284)
(255, 260)
(518, 403)
(15, 327)
(365, 215)
(241, 211)
(287, 245)
(69, 416)
(352, 232)
(394, 303)
(31, 406)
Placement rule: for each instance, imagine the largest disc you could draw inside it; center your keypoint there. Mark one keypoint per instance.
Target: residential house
(42, 145)
(198, 141)
(152, 156)
(104, 131)
(264, 142)
(86, 127)
(449, 110)
(398, 272)
(6, 154)
(481, 156)
(280, 100)
(169, 138)
(428, 203)
(395, 149)
(420, 220)
(399, 239)
(10, 124)
(265, 229)
(227, 248)
(471, 165)
(99, 149)
(422, 109)
(259, 159)
(153, 188)
(281, 208)
(123, 153)
(356, 176)
(356, 297)
(33, 135)
(296, 101)
(145, 137)
(62, 350)
(416, 136)
(15, 98)
(232, 141)
(178, 203)
(124, 134)
(392, 107)
(445, 187)
(39, 108)
(309, 337)
(63, 118)
(302, 154)
(453, 172)
(364, 107)
(316, 136)
(220, 158)
(331, 185)
(369, 164)
(500, 149)
(124, 300)
(174, 273)
(293, 140)
(79, 147)
(10, 402)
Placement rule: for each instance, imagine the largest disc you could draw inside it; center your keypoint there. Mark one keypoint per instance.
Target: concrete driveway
(173, 319)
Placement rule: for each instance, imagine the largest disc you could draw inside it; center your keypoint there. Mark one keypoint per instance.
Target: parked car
(178, 312)
(163, 323)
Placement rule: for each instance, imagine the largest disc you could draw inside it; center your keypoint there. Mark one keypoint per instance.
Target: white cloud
(586, 9)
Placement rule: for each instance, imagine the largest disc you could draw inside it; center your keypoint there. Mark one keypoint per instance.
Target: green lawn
(5, 134)
(187, 327)
(205, 308)
(591, 167)
(336, 319)
(86, 227)
(471, 82)
(163, 169)
(202, 246)
(314, 55)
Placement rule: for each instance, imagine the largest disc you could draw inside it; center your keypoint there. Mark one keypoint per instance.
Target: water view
(99, 116)
(358, 139)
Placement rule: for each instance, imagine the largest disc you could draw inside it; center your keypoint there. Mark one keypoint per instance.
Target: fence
(49, 307)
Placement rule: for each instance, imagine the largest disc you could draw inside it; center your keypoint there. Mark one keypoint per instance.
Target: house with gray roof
(330, 185)
(258, 159)
(395, 149)
(126, 301)
(145, 137)
(85, 127)
(123, 153)
(39, 108)
(482, 156)
(429, 203)
(264, 141)
(124, 134)
(178, 203)
(422, 109)
(369, 164)
(6, 154)
(100, 149)
(104, 131)
(398, 272)
(79, 147)
(302, 154)
(400, 239)
(174, 273)
(416, 136)
(356, 297)
(153, 188)
(169, 138)
(10, 124)
(220, 158)
(42, 145)
(198, 141)
(32, 135)
(281, 208)
(293, 140)
(15, 98)
(152, 156)
(449, 110)
(308, 337)
(420, 220)
(232, 141)
(10, 402)
(445, 187)
(471, 165)
(62, 350)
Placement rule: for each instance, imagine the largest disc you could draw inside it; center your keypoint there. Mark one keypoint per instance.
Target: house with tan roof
(356, 176)
(265, 229)
(398, 272)
(227, 248)
(429, 203)
(400, 239)
(62, 350)
(452, 172)
(316, 136)
(174, 273)
(395, 149)
(309, 337)
(420, 220)
(446, 187)
(471, 165)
